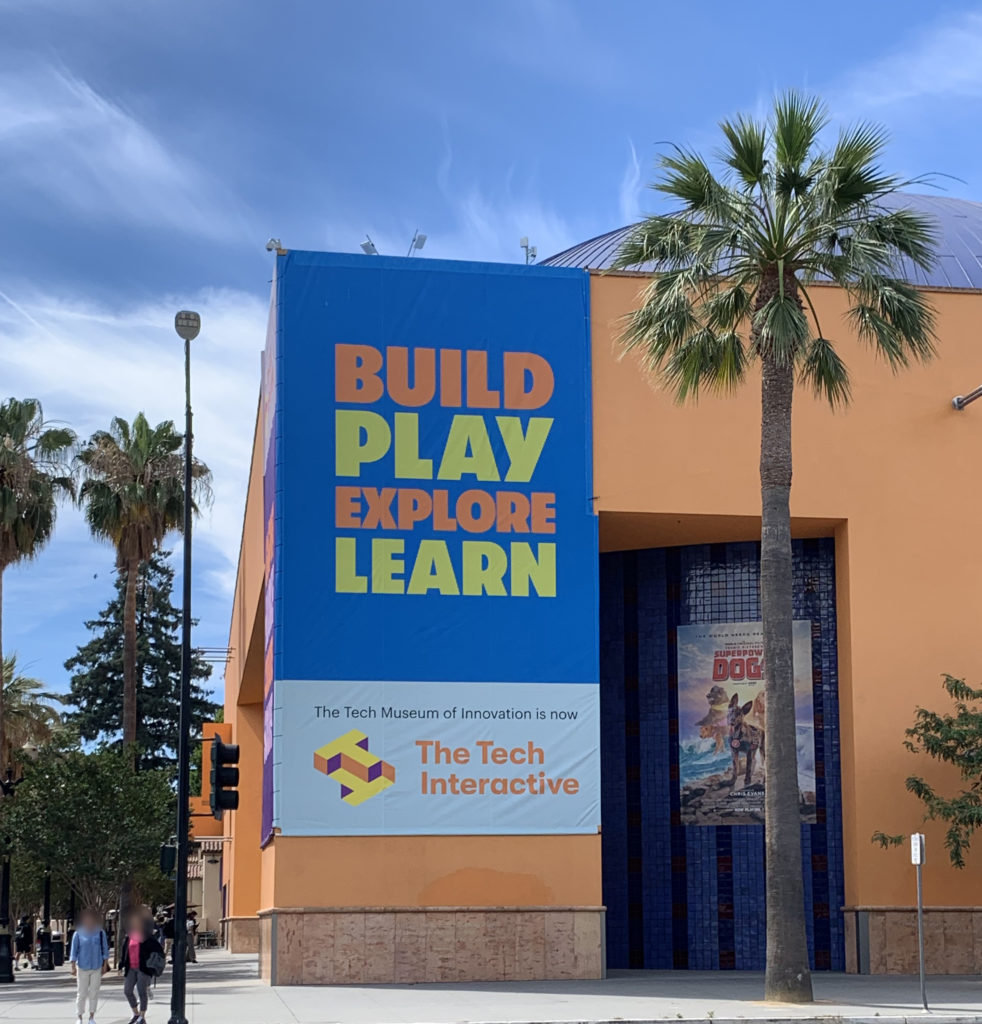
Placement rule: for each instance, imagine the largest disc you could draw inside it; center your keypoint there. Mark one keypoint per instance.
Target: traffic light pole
(179, 985)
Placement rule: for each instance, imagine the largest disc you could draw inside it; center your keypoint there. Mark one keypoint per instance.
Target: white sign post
(917, 859)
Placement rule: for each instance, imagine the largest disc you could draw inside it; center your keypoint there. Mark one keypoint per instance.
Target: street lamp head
(187, 324)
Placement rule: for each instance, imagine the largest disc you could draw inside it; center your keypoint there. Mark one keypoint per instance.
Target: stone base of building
(406, 945)
(242, 934)
(883, 940)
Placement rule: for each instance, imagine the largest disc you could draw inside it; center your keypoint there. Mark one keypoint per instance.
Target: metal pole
(6, 939)
(70, 921)
(177, 1000)
(920, 938)
(45, 953)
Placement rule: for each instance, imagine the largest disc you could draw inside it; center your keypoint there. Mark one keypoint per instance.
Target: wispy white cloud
(75, 148)
(941, 61)
(630, 190)
(478, 222)
(89, 363)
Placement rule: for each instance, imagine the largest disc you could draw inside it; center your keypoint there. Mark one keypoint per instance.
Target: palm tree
(32, 721)
(34, 471)
(733, 269)
(133, 494)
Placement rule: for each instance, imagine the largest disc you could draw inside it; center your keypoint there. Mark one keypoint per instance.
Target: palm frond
(853, 176)
(34, 473)
(823, 370)
(133, 485)
(895, 318)
(905, 232)
(705, 360)
(781, 328)
(797, 121)
(747, 150)
(687, 177)
(728, 307)
(778, 211)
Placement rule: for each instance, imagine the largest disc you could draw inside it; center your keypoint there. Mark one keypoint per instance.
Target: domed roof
(958, 222)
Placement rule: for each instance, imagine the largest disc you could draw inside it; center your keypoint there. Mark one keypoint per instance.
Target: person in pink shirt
(139, 946)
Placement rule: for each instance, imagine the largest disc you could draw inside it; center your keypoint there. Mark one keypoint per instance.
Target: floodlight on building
(960, 401)
(368, 247)
(417, 243)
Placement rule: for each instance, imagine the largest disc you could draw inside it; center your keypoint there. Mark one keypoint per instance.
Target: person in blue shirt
(89, 957)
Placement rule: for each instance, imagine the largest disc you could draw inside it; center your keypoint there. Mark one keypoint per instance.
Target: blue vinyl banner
(434, 522)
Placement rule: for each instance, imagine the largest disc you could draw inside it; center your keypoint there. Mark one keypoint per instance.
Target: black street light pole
(8, 787)
(187, 325)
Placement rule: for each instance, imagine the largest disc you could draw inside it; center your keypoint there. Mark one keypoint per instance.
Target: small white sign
(917, 848)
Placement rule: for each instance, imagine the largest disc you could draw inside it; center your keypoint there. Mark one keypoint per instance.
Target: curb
(830, 1018)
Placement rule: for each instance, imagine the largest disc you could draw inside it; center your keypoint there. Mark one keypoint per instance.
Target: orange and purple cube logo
(348, 761)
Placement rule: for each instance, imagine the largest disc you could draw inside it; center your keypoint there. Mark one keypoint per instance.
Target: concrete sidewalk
(225, 990)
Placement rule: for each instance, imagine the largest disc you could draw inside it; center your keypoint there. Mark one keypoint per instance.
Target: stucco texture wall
(893, 478)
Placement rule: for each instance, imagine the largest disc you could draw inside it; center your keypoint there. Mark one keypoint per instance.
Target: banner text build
(494, 452)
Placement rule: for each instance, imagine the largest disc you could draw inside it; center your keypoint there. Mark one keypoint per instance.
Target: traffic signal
(224, 777)
(168, 860)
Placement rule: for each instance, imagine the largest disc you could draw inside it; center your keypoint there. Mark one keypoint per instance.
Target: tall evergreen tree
(97, 670)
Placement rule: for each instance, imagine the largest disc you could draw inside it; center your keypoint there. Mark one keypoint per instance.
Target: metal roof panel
(958, 223)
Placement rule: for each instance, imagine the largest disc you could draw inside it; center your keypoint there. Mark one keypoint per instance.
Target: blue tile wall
(691, 897)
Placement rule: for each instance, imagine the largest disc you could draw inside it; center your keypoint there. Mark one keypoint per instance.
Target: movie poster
(723, 723)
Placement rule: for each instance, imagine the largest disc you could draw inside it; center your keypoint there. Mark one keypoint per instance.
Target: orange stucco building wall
(893, 479)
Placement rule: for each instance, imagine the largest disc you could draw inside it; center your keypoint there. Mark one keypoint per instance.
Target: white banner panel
(410, 758)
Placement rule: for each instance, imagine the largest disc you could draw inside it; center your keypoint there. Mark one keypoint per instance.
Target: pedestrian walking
(24, 942)
(142, 959)
(89, 957)
(192, 937)
(169, 937)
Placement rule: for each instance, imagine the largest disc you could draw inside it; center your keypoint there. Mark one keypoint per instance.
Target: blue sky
(147, 151)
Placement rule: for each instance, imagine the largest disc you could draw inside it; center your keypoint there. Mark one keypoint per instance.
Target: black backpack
(156, 961)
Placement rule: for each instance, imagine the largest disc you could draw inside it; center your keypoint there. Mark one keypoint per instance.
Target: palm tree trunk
(788, 978)
(129, 654)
